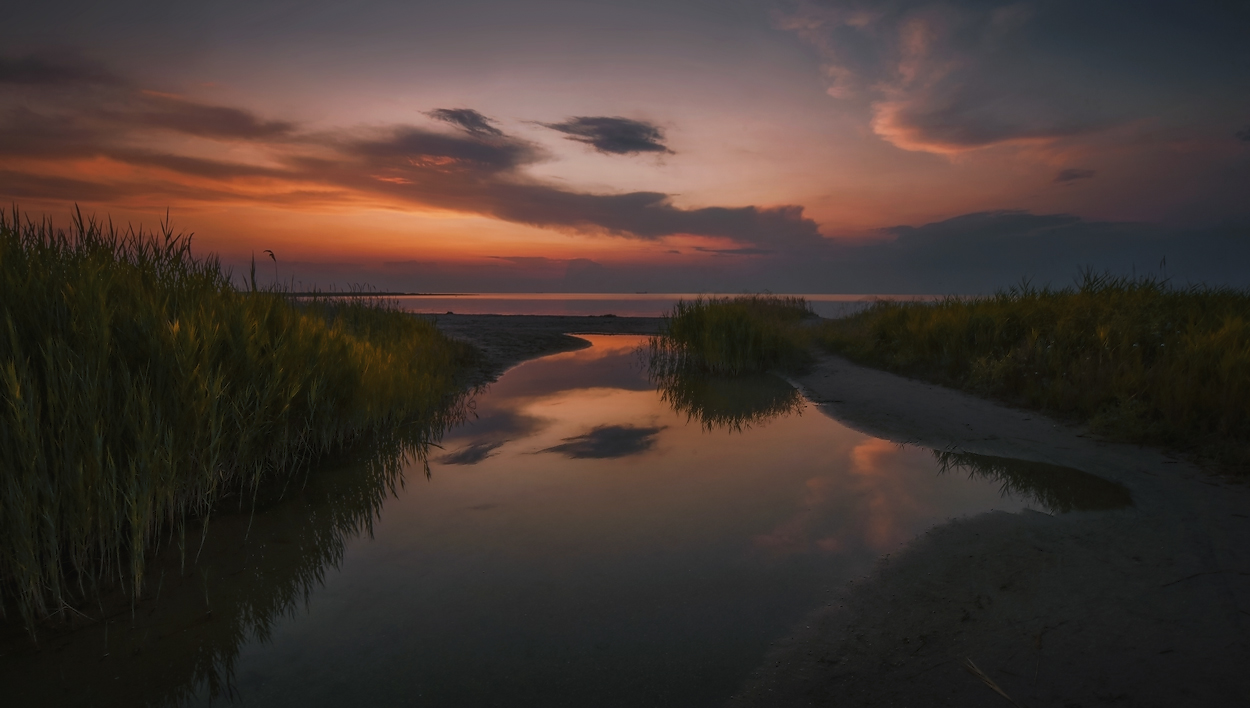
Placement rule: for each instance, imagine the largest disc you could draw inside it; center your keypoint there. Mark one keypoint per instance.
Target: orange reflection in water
(792, 485)
(580, 542)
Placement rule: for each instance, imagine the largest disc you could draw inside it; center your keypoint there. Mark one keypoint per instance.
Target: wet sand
(1147, 606)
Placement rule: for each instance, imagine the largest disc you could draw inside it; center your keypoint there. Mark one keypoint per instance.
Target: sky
(729, 145)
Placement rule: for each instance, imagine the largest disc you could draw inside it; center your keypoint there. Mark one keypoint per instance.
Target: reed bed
(1136, 358)
(139, 387)
(734, 336)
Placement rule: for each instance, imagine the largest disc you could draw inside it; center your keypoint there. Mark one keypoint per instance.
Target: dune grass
(138, 387)
(733, 336)
(1137, 359)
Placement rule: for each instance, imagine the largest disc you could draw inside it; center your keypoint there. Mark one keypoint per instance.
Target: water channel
(584, 538)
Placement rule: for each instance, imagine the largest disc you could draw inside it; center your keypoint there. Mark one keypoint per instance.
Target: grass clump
(1138, 359)
(138, 387)
(734, 336)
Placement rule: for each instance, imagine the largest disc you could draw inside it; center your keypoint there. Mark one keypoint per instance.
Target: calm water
(585, 540)
(622, 305)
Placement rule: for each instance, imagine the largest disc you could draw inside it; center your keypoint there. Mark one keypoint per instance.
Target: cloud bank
(68, 113)
(969, 254)
(949, 77)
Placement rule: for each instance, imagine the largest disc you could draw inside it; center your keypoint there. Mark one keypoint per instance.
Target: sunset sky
(510, 145)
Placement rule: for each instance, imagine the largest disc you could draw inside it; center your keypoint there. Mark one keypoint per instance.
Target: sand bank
(1144, 606)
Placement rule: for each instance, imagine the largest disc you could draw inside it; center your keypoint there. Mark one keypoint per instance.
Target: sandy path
(1147, 606)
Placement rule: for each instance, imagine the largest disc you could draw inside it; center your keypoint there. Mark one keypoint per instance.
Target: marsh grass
(139, 387)
(749, 334)
(1137, 359)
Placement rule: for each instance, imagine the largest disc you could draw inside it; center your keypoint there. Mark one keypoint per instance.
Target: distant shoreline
(547, 294)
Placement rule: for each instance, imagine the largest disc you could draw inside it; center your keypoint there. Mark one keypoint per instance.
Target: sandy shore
(1147, 606)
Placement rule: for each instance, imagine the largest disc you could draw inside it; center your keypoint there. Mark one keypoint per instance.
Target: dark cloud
(22, 185)
(480, 170)
(200, 119)
(1244, 134)
(531, 260)
(1072, 174)
(969, 254)
(51, 132)
(968, 74)
(468, 119)
(650, 216)
(36, 70)
(28, 133)
(196, 166)
(608, 441)
(471, 454)
(746, 251)
(613, 135)
(977, 253)
(416, 151)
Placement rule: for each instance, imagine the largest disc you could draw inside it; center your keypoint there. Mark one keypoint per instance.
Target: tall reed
(138, 387)
(734, 336)
(1137, 358)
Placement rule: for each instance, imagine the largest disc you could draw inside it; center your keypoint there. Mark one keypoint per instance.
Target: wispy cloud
(468, 119)
(35, 70)
(150, 109)
(1073, 174)
(969, 74)
(613, 135)
(744, 251)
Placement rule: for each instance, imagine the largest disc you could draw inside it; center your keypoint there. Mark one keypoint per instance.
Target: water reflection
(731, 403)
(607, 441)
(243, 572)
(590, 537)
(1059, 489)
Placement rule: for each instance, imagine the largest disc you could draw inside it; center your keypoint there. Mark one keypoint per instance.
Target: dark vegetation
(1137, 359)
(712, 357)
(750, 334)
(139, 388)
(250, 571)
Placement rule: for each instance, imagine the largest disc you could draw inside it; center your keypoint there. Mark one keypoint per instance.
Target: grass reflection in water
(183, 633)
(1058, 489)
(717, 401)
(738, 402)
